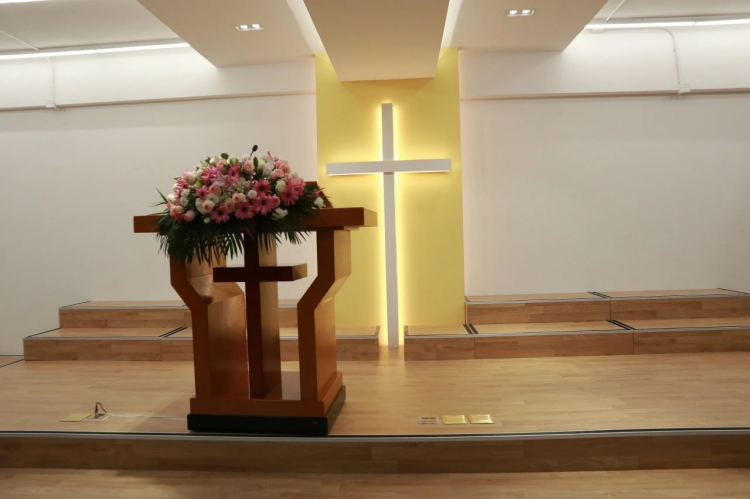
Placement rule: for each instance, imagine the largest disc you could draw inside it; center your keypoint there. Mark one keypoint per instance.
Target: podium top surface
(328, 218)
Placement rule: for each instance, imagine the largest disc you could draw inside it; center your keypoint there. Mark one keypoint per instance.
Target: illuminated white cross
(388, 167)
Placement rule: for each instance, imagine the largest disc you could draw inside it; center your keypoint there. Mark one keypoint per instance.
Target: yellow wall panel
(429, 205)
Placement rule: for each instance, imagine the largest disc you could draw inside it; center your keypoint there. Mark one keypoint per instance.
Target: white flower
(261, 164)
(267, 169)
(184, 201)
(252, 194)
(171, 198)
(295, 175)
(245, 157)
(185, 193)
(280, 186)
(207, 220)
(212, 161)
(213, 198)
(191, 177)
(175, 187)
(319, 203)
(279, 213)
(205, 206)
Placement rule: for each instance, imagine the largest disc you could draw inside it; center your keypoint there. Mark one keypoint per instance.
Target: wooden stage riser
(606, 309)
(576, 345)
(379, 456)
(176, 350)
(172, 318)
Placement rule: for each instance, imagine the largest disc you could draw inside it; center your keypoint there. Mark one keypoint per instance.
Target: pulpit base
(268, 425)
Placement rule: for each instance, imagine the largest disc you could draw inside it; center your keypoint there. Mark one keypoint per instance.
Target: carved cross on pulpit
(239, 384)
(260, 275)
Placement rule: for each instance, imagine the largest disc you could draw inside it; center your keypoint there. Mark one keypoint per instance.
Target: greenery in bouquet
(222, 199)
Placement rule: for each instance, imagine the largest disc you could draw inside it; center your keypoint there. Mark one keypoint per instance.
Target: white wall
(625, 192)
(142, 77)
(74, 178)
(614, 62)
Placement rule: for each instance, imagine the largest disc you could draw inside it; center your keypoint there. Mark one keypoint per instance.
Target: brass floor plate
(429, 420)
(481, 419)
(75, 417)
(454, 419)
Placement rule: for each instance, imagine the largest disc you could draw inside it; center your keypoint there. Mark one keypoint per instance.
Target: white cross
(388, 167)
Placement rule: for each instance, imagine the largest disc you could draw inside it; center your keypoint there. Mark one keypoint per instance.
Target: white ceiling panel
(67, 23)
(674, 8)
(209, 27)
(483, 24)
(380, 39)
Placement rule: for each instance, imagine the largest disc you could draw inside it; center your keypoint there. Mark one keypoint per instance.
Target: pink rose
(239, 198)
(207, 206)
(229, 206)
(189, 216)
(214, 189)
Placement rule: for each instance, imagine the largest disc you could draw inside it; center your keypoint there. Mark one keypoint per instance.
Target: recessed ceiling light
(520, 13)
(249, 27)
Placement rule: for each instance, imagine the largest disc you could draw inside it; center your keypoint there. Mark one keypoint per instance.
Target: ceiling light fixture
(249, 27)
(89, 51)
(668, 24)
(520, 13)
(19, 1)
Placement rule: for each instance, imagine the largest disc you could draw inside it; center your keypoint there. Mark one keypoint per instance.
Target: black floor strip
(12, 363)
(174, 331)
(470, 329)
(47, 331)
(621, 324)
(600, 295)
(734, 291)
(79, 303)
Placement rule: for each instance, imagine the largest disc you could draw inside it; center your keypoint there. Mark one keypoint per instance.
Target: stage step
(598, 306)
(166, 344)
(570, 339)
(136, 314)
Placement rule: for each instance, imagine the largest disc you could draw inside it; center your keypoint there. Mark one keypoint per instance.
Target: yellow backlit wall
(429, 207)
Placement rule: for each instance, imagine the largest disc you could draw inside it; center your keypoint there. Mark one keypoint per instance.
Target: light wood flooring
(388, 397)
(666, 484)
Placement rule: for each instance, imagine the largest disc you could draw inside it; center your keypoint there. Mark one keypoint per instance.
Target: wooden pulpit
(240, 386)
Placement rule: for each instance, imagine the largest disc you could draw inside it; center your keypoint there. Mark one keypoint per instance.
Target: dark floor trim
(43, 332)
(174, 331)
(74, 304)
(734, 291)
(470, 329)
(12, 363)
(600, 295)
(621, 324)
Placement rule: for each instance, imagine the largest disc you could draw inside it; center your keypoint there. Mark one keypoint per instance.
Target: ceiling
(674, 8)
(482, 24)
(209, 27)
(365, 39)
(67, 23)
(382, 39)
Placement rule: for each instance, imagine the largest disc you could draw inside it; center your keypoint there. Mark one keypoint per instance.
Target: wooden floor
(662, 484)
(388, 397)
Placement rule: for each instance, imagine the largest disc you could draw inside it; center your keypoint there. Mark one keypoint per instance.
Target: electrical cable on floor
(101, 413)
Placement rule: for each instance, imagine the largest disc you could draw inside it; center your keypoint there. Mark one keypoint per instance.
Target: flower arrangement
(222, 199)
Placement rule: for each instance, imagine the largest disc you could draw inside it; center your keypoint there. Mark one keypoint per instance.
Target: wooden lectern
(239, 384)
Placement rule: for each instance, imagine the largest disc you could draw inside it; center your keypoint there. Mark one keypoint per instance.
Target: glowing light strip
(668, 24)
(85, 51)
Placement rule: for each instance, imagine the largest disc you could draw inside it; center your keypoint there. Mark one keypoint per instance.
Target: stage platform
(550, 414)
